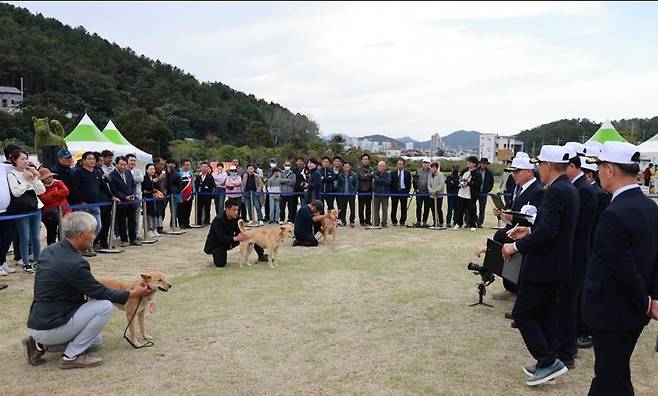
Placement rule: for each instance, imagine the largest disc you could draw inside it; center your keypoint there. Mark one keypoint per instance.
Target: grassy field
(377, 312)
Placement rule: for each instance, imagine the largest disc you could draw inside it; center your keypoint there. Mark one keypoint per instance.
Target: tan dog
(329, 223)
(267, 238)
(154, 281)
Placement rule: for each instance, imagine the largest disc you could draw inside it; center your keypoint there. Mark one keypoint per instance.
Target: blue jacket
(381, 182)
(623, 271)
(352, 183)
(548, 250)
(314, 184)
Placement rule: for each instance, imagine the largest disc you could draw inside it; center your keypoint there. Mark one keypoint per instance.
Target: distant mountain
(463, 139)
(377, 138)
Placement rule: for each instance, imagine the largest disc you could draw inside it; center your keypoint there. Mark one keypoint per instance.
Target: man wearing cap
(528, 191)
(487, 186)
(62, 169)
(620, 290)
(570, 301)
(307, 223)
(547, 265)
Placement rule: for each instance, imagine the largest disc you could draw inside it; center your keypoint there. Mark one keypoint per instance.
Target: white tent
(124, 146)
(649, 149)
(87, 137)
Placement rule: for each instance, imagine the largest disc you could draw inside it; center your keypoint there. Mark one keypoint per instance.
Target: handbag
(26, 203)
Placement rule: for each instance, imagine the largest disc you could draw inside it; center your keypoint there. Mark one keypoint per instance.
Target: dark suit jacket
(328, 178)
(548, 250)
(603, 200)
(120, 189)
(487, 181)
(533, 195)
(60, 285)
(206, 186)
(623, 271)
(395, 182)
(586, 214)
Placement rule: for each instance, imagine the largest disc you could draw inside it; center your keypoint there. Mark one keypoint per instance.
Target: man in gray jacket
(423, 201)
(435, 185)
(288, 198)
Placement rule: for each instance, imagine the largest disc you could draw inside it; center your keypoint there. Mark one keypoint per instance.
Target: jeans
(275, 209)
(96, 212)
(220, 201)
(29, 229)
(252, 201)
(81, 332)
(452, 209)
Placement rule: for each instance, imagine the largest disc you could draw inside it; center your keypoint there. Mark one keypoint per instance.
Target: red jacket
(55, 196)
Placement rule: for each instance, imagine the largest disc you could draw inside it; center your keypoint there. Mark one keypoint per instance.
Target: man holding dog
(308, 223)
(225, 234)
(60, 317)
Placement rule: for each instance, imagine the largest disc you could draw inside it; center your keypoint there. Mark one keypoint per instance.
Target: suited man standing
(123, 187)
(547, 265)
(528, 191)
(620, 290)
(400, 184)
(566, 340)
(487, 186)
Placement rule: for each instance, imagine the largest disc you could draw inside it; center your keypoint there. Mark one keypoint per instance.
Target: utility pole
(558, 140)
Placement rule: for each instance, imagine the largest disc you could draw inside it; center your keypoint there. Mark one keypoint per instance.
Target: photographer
(364, 173)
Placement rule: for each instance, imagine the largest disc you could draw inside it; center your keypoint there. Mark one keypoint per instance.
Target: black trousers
(439, 208)
(219, 255)
(289, 201)
(422, 208)
(267, 209)
(365, 207)
(612, 355)
(343, 202)
(305, 240)
(51, 221)
(328, 201)
(203, 210)
(537, 315)
(183, 211)
(7, 232)
(482, 207)
(403, 201)
(566, 337)
(106, 220)
(126, 222)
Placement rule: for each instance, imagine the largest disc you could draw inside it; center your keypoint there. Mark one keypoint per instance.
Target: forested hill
(68, 70)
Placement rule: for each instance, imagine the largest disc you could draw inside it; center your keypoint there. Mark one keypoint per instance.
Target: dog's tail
(241, 225)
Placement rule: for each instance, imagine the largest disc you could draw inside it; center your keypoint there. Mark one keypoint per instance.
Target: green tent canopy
(607, 133)
(123, 146)
(111, 132)
(86, 131)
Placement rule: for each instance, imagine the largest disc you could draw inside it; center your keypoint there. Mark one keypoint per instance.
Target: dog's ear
(145, 277)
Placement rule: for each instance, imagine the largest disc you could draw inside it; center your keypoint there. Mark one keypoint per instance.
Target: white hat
(531, 211)
(575, 149)
(521, 154)
(593, 151)
(520, 163)
(552, 153)
(618, 153)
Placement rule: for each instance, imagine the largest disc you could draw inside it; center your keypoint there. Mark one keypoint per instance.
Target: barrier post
(60, 216)
(145, 228)
(372, 210)
(436, 213)
(110, 248)
(173, 222)
(196, 213)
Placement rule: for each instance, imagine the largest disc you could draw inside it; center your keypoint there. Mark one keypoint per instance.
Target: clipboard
(497, 201)
(493, 261)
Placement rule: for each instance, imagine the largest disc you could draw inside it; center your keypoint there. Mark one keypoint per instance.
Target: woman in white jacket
(24, 185)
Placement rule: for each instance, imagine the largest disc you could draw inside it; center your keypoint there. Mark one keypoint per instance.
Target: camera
(486, 275)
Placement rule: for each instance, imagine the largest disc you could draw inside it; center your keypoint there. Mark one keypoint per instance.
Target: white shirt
(527, 185)
(581, 174)
(465, 192)
(138, 177)
(5, 195)
(403, 184)
(622, 189)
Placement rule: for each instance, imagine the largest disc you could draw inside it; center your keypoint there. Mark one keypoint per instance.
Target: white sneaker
(155, 233)
(5, 267)
(3, 272)
(260, 222)
(281, 223)
(473, 229)
(456, 227)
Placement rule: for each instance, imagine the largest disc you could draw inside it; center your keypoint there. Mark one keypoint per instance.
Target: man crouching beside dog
(225, 234)
(60, 317)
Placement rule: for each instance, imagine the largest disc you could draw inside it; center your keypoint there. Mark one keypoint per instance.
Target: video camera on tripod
(494, 265)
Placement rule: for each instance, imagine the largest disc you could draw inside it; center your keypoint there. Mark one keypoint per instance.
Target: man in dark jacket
(60, 313)
(174, 186)
(569, 304)
(620, 291)
(364, 173)
(348, 185)
(400, 184)
(224, 235)
(62, 169)
(123, 187)
(452, 188)
(328, 177)
(314, 183)
(307, 224)
(204, 185)
(547, 265)
(487, 186)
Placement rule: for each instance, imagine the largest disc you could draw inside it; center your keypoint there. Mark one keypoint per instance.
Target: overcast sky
(403, 69)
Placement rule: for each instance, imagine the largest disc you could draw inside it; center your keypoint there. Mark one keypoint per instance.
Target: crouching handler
(60, 317)
(225, 234)
(308, 222)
